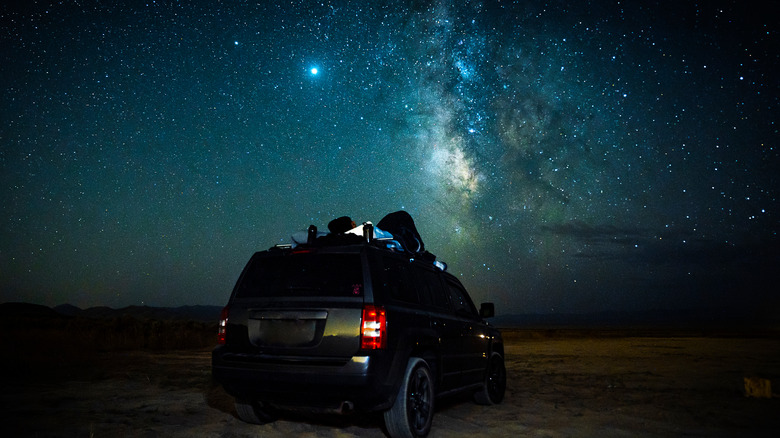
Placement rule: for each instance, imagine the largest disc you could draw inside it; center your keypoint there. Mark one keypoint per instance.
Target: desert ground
(568, 384)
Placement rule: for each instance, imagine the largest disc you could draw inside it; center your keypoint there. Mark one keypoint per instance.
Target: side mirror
(487, 310)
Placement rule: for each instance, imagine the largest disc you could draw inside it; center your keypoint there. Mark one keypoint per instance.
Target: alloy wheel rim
(419, 401)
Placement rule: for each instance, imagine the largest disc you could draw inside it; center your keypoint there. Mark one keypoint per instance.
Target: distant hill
(34, 332)
(194, 313)
(67, 310)
(26, 310)
(189, 313)
(652, 318)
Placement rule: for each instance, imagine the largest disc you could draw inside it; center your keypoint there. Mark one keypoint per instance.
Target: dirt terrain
(605, 386)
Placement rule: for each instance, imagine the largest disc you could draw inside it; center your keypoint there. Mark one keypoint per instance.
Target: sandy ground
(558, 387)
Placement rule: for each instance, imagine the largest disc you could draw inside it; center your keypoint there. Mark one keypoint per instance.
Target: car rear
(301, 330)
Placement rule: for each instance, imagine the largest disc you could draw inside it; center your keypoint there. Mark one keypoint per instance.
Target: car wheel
(493, 389)
(412, 413)
(254, 412)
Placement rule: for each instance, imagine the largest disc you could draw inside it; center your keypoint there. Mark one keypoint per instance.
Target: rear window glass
(301, 275)
(395, 280)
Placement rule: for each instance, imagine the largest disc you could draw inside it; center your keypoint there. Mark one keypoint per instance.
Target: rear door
(436, 299)
(472, 339)
(302, 304)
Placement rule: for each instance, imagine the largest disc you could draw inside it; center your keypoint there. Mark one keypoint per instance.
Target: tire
(493, 389)
(254, 412)
(412, 413)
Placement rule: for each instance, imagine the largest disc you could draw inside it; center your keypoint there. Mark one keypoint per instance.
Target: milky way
(560, 157)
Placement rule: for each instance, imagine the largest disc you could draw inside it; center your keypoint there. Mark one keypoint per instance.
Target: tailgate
(302, 304)
(332, 331)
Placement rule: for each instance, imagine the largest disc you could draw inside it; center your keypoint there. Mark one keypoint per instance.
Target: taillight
(223, 317)
(373, 331)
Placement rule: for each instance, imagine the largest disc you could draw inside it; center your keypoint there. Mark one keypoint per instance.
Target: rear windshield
(301, 275)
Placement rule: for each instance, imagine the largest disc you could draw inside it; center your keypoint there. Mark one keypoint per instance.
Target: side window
(431, 289)
(396, 281)
(461, 302)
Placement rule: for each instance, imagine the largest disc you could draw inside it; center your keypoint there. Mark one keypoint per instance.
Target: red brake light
(373, 331)
(223, 317)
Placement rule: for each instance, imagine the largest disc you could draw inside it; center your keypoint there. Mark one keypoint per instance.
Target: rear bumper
(306, 383)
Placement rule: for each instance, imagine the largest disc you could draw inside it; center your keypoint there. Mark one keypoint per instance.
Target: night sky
(559, 156)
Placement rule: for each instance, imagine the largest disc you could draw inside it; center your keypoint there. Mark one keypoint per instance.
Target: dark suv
(354, 327)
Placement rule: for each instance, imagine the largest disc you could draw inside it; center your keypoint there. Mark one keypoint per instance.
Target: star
(579, 149)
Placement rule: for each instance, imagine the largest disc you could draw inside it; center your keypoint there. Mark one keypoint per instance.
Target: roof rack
(364, 234)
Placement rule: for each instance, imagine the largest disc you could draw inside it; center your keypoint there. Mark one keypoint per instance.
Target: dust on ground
(559, 387)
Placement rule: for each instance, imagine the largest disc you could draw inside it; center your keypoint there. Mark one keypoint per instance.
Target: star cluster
(565, 156)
